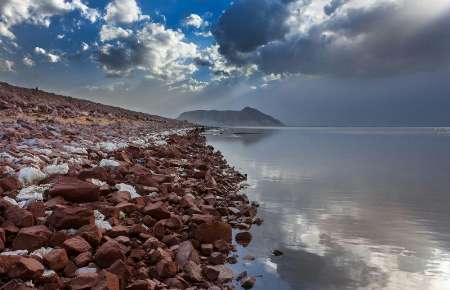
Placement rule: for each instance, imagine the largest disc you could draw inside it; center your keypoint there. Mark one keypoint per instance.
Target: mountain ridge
(248, 116)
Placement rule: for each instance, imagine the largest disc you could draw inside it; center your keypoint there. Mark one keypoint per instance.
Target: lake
(350, 208)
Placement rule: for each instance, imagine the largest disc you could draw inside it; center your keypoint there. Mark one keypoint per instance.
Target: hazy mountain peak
(246, 117)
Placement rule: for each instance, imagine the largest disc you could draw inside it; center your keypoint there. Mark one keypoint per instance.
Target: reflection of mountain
(246, 117)
(246, 136)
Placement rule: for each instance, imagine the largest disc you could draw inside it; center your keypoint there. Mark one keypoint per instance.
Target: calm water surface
(351, 208)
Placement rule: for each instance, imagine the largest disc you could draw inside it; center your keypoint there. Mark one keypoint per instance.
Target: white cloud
(123, 11)
(84, 46)
(160, 53)
(28, 61)
(14, 12)
(6, 65)
(60, 36)
(190, 85)
(109, 32)
(193, 20)
(204, 33)
(221, 68)
(53, 58)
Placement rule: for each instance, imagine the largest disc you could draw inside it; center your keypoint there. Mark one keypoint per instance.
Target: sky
(306, 62)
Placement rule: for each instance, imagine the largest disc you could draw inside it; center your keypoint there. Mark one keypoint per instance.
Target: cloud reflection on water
(350, 211)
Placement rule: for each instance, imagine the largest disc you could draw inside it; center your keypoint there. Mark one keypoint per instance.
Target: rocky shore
(98, 197)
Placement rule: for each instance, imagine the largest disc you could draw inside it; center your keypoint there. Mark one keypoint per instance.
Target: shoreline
(101, 199)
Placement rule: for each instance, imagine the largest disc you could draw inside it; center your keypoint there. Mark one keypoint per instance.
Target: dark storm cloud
(118, 61)
(382, 39)
(250, 24)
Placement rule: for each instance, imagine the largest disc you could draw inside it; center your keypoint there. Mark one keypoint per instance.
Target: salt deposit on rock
(129, 188)
(86, 270)
(100, 221)
(62, 169)
(109, 163)
(32, 193)
(14, 253)
(44, 151)
(75, 150)
(31, 175)
(41, 252)
(110, 146)
(97, 182)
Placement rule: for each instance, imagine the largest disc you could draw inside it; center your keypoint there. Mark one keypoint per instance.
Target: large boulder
(74, 189)
(19, 216)
(56, 259)
(20, 267)
(71, 217)
(157, 210)
(108, 253)
(185, 253)
(31, 238)
(212, 231)
(77, 245)
(10, 183)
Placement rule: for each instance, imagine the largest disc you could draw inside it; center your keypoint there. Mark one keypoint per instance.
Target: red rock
(142, 285)
(211, 273)
(19, 217)
(166, 268)
(207, 249)
(2, 235)
(31, 238)
(174, 223)
(56, 260)
(243, 238)
(107, 281)
(120, 196)
(99, 173)
(118, 231)
(210, 232)
(83, 259)
(83, 281)
(108, 253)
(37, 209)
(58, 238)
(126, 207)
(248, 282)
(157, 210)
(222, 246)
(186, 253)
(70, 269)
(217, 258)
(193, 271)
(137, 254)
(91, 233)
(187, 201)
(57, 200)
(122, 271)
(74, 189)
(159, 229)
(76, 245)
(10, 183)
(70, 217)
(226, 274)
(20, 267)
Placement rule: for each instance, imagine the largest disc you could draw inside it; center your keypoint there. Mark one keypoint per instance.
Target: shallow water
(351, 208)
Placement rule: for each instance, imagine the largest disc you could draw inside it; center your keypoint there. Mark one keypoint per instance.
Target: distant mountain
(246, 117)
